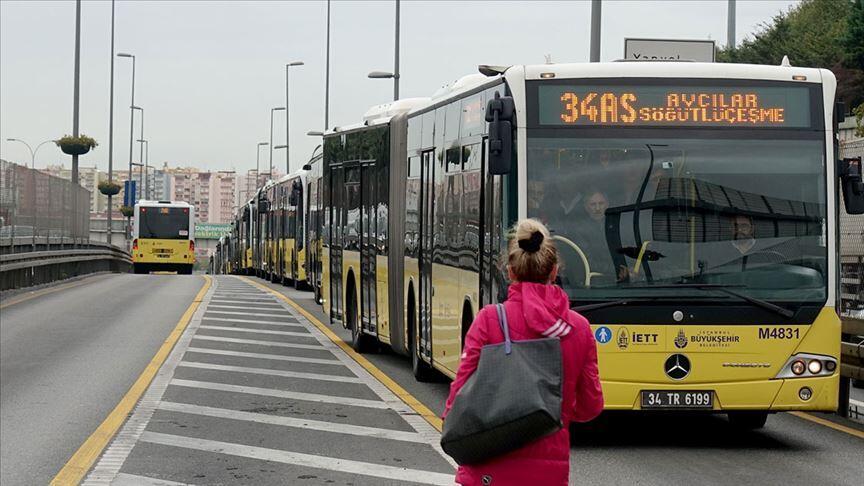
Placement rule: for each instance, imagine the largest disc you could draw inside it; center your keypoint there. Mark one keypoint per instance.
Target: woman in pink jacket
(535, 309)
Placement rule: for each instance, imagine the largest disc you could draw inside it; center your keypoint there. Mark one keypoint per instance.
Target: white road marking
(264, 418)
(852, 401)
(299, 459)
(258, 342)
(277, 357)
(280, 312)
(257, 331)
(269, 372)
(272, 392)
(261, 301)
(245, 313)
(288, 322)
(124, 479)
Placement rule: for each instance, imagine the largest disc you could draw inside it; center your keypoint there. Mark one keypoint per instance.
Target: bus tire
(139, 268)
(748, 420)
(421, 369)
(360, 342)
(186, 270)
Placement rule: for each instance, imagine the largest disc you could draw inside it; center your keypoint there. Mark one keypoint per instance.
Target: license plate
(677, 399)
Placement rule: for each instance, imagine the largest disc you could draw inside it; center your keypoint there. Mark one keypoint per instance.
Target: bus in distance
(163, 237)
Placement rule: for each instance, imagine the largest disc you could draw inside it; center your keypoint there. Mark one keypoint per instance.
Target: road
(256, 392)
(67, 358)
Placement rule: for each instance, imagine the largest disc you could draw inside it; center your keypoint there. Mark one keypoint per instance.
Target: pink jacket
(535, 311)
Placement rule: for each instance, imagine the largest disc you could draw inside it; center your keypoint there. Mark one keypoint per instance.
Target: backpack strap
(502, 321)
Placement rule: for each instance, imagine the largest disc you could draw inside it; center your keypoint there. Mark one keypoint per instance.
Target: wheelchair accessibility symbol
(603, 334)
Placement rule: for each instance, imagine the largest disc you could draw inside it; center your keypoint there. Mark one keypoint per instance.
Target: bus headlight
(798, 365)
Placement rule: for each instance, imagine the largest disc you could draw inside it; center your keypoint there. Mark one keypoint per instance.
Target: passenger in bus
(535, 309)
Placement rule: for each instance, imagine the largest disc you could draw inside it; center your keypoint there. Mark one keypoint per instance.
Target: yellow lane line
(394, 387)
(828, 423)
(38, 293)
(80, 462)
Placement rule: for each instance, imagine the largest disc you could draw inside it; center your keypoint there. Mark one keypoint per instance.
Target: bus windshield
(629, 213)
(163, 223)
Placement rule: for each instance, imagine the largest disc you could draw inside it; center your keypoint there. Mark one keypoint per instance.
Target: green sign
(211, 231)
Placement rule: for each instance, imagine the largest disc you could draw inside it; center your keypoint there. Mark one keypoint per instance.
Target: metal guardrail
(56, 259)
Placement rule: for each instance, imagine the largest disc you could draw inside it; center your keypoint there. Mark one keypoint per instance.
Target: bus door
(491, 233)
(368, 251)
(338, 219)
(427, 198)
(299, 230)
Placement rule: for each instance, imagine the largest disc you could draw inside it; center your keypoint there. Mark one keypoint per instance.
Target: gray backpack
(512, 399)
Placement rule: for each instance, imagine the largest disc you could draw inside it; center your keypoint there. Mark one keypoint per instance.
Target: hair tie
(532, 243)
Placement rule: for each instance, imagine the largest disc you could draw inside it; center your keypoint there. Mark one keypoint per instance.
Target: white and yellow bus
(163, 235)
(694, 206)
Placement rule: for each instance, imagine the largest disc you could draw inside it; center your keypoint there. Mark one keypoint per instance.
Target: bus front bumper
(771, 395)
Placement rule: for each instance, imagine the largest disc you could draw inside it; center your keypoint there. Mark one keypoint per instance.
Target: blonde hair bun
(531, 254)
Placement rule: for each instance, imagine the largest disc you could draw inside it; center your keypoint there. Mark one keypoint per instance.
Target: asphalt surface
(68, 357)
(245, 401)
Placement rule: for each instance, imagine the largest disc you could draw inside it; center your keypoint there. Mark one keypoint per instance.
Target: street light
(146, 145)
(287, 116)
(280, 108)
(131, 137)
(258, 162)
(315, 133)
(33, 174)
(395, 73)
(143, 175)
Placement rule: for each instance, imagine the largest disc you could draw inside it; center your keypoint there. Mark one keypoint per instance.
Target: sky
(208, 73)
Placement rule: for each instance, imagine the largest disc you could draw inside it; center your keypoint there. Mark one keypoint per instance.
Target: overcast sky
(209, 72)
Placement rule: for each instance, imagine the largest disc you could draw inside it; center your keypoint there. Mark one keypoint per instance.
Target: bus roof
(153, 203)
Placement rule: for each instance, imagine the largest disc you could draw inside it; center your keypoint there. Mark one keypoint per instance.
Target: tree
(815, 33)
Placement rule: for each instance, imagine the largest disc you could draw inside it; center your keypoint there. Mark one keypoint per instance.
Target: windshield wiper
(600, 305)
(726, 290)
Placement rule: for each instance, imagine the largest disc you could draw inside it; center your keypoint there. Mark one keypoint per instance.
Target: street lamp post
(141, 174)
(287, 116)
(395, 74)
(278, 147)
(33, 175)
(145, 144)
(270, 170)
(131, 136)
(327, 74)
(111, 128)
(258, 162)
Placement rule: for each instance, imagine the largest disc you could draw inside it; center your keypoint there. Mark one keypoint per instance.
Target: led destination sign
(699, 106)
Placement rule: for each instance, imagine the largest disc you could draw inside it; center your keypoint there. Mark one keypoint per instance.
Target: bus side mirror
(500, 112)
(500, 147)
(853, 185)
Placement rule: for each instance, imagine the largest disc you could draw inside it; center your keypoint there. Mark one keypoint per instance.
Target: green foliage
(89, 142)
(859, 119)
(108, 188)
(815, 33)
(127, 211)
(853, 40)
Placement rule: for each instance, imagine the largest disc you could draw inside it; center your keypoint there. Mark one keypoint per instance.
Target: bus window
(164, 223)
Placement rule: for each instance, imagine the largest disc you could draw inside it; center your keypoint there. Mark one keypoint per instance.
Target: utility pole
(396, 55)
(327, 75)
(111, 127)
(77, 87)
(596, 6)
(730, 25)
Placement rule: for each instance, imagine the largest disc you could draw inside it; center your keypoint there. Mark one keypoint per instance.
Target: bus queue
(693, 205)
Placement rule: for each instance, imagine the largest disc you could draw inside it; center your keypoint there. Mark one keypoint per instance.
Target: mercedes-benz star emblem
(677, 367)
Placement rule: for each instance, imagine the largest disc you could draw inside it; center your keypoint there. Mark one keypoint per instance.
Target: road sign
(129, 193)
(669, 50)
(211, 231)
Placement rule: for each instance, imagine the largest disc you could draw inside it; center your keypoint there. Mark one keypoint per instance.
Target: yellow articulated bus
(694, 207)
(163, 237)
(281, 206)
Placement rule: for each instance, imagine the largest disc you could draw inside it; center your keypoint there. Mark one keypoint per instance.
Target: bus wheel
(139, 268)
(421, 369)
(748, 420)
(186, 270)
(362, 343)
